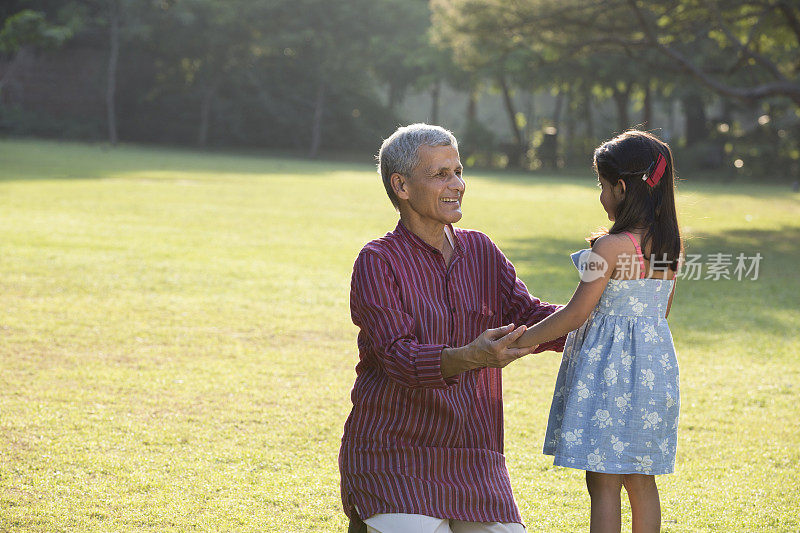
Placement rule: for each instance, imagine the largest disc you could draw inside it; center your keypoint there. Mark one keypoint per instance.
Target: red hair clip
(653, 179)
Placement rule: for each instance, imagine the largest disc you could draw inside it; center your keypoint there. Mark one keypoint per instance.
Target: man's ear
(399, 185)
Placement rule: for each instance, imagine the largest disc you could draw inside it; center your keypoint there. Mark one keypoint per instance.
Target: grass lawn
(176, 351)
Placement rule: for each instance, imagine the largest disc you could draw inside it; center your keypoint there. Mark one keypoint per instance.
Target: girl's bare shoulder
(611, 244)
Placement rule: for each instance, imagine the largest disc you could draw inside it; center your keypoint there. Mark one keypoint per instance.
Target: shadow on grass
(769, 304)
(783, 242)
(35, 159)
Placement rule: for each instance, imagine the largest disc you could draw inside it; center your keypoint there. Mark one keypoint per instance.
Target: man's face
(435, 189)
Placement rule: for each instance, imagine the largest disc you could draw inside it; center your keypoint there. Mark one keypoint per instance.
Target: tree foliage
(31, 28)
(743, 51)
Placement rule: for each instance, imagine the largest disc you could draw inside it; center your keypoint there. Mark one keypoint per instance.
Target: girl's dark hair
(627, 157)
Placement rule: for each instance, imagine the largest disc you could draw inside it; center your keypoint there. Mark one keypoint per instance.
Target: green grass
(176, 352)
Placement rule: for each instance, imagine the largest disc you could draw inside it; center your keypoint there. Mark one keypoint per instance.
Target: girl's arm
(585, 298)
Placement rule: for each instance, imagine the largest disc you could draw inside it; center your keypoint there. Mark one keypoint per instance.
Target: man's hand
(491, 349)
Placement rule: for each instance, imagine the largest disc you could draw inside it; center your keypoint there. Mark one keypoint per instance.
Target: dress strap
(638, 253)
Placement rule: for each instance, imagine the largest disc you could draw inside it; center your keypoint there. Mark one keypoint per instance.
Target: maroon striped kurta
(416, 442)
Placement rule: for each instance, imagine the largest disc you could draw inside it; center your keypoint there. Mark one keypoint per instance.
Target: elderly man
(422, 449)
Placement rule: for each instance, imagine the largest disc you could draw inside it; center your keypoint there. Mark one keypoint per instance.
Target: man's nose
(458, 183)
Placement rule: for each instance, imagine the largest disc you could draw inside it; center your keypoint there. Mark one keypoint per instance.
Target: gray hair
(400, 151)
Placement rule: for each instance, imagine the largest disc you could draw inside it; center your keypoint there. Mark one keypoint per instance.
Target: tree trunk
(530, 115)
(436, 91)
(516, 157)
(621, 98)
(472, 106)
(647, 111)
(111, 75)
(557, 107)
(205, 113)
(394, 95)
(316, 128)
(23, 55)
(587, 109)
(569, 137)
(511, 112)
(672, 134)
(696, 124)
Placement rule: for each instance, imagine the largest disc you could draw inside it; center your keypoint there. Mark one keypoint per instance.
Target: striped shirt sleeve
(387, 329)
(522, 308)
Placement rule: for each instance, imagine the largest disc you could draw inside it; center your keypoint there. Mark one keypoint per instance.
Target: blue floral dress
(616, 401)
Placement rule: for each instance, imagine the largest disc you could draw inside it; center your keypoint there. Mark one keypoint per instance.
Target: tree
(468, 29)
(755, 39)
(81, 15)
(25, 31)
(333, 34)
(199, 45)
(111, 76)
(289, 59)
(739, 49)
(397, 47)
(744, 49)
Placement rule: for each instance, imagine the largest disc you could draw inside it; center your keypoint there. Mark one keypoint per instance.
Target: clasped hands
(491, 349)
(494, 347)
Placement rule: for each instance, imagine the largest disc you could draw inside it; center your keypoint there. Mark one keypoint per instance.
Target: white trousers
(417, 523)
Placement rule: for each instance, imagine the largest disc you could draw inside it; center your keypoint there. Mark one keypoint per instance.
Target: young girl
(615, 407)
